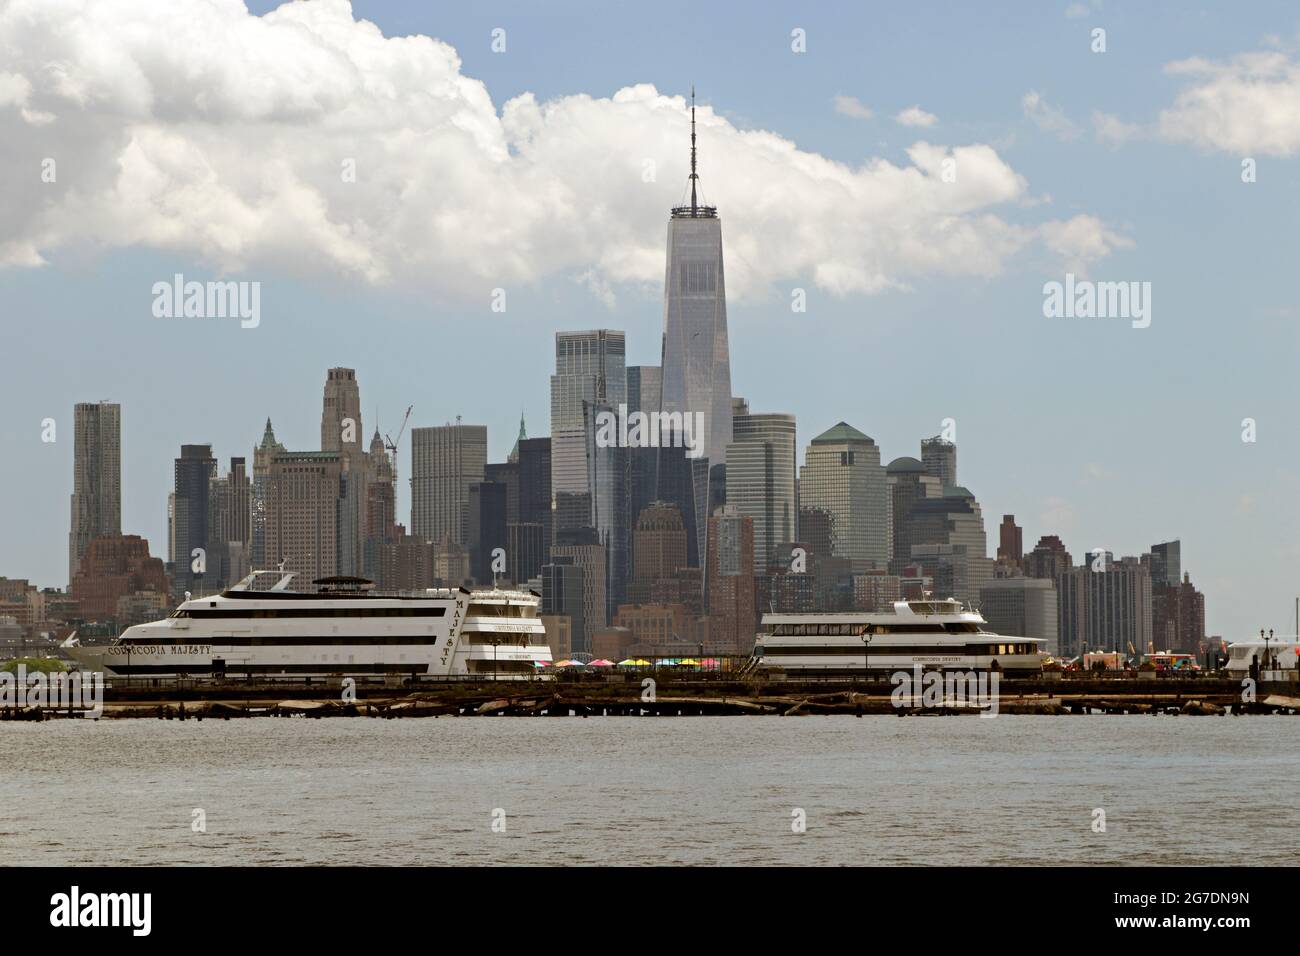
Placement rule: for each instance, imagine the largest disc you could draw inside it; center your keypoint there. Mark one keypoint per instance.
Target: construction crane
(392, 445)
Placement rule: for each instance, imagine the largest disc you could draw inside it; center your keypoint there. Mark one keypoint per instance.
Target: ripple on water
(691, 791)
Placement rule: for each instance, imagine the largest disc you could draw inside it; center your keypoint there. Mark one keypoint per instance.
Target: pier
(195, 699)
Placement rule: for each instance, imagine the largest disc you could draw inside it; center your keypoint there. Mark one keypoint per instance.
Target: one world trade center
(696, 363)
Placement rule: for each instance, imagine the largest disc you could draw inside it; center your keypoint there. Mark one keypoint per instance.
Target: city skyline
(1099, 435)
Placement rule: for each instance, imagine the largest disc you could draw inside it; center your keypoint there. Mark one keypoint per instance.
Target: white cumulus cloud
(854, 107)
(1248, 104)
(915, 116)
(194, 127)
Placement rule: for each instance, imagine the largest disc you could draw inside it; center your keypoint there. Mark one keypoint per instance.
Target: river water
(628, 790)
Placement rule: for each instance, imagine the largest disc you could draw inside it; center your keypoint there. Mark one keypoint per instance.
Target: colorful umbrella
(568, 664)
(600, 662)
(689, 662)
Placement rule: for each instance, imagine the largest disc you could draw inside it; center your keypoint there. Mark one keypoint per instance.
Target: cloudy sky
(382, 169)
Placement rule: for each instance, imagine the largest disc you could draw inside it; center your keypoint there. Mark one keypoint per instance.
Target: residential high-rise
(940, 459)
(1178, 617)
(445, 461)
(1106, 606)
(193, 473)
(842, 475)
(730, 581)
(96, 502)
(590, 367)
(696, 362)
(761, 477)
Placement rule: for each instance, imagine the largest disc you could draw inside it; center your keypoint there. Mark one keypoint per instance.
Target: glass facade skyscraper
(696, 359)
(761, 478)
(590, 367)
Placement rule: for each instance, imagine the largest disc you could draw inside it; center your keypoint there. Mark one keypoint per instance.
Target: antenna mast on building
(694, 175)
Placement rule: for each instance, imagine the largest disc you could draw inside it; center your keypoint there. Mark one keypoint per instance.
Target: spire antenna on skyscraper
(694, 210)
(694, 175)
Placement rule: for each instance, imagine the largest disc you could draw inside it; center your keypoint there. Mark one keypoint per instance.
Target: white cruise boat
(939, 635)
(1277, 654)
(342, 628)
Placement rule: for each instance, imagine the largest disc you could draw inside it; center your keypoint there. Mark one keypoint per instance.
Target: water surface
(629, 790)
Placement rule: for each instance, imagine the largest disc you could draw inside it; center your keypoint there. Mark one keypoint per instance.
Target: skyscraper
(908, 484)
(340, 420)
(1011, 542)
(947, 539)
(583, 548)
(194, 471)
(1166, 564)
(229, 515)
(486, 529)
(590, 367)
(1107, 607)
(303, 512)
(535, 487)
(445, 461)
(644, 387)
(659, 546)
(1022, 607)
(261, 557)
(940, 459)
(381, 493)
(761, 477)
(607, 466)
(731, 581)
(340, 431)
(842, 475)
(96, 503)
(696, 363)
